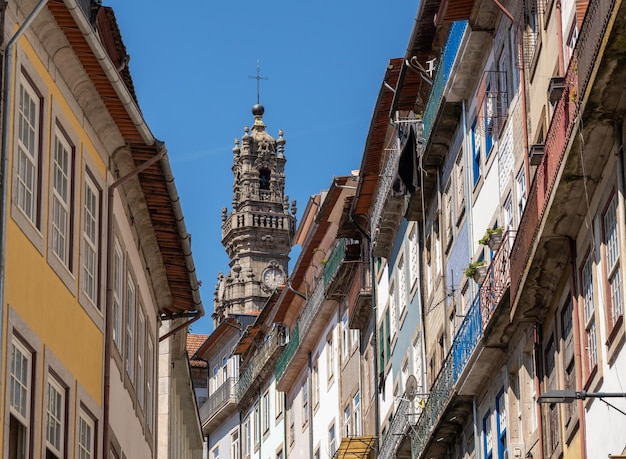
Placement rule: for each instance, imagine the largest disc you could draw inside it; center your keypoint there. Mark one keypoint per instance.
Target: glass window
(55, 431)
(330, 357)
(234, 441)
(356, 408)
(118, 288)
(130, 329)
(86, 436)
(611, 242)
(266, 411)
(589, 313)
(305, 402)
(27, 170)
(331, 440)
(20, 381)
(520, 185)
(91, 234)
(150, 385)
(413, 255)
(141, 337)
(61, 199)
(402, 301)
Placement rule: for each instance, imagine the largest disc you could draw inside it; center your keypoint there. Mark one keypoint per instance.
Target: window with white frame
(315, 381)
(520, 191)
(330, 357)
(130, 328)
(216, 453)
(86, 436)
(612, 253)
(141, 339)
(118, 289)
(356, 409)
(347, 420)
(402, 300)
(507, 210)
(246, 450)
(292, 425)
(460, 186)
(257, 426)
(19, 398)
(393, 319)
(417, 361)
(28, 151)
(279, 403)
(589, 314)
(447, 214)
(332, 447)
(487, 436)
(345, 337)
(55, 419)
(305, 402)
(61, 198)
(150, 385)
(266, 411)
(234, 441)
(91, 235)
(413, 256)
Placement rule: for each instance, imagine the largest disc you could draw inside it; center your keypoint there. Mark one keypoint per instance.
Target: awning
(356, 448)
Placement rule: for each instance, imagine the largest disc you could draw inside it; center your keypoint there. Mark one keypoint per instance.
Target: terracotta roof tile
(194, 341)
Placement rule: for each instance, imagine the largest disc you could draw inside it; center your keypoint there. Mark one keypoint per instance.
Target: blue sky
(191, 61)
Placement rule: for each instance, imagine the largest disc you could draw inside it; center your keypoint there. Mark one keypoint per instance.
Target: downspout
(559, 36)
(578, 361)
(310, 403)
(372, 323)
(285, 427)
(7, 100)
(108, 327)
(476, 437)
(536, 363)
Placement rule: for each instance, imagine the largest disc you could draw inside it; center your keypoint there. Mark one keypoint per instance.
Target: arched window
(264, 179)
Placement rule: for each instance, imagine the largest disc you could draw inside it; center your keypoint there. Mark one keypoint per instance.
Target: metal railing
(335, 259)
(288, 352)
(444, 68)
(565, 116)
(218, 399)
(252, 370)
(498, 277)
(396, 430)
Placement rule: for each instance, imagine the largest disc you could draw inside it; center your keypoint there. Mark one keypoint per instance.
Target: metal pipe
(180, 327)
(559, 33)
(537, 382)
(310, 401)
(7, 72)
(504, 11)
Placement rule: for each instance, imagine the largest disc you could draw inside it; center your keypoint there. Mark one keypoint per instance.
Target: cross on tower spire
(258, 79)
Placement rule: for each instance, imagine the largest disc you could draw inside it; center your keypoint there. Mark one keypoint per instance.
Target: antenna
(258, 79)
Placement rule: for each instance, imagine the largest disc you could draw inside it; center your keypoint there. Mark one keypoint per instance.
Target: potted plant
(477, 270)
(492, 238)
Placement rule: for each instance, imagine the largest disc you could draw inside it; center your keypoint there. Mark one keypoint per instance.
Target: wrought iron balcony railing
(444, 68)
(397, 428)
(250, 372)
(335, 259)
(217, 400)
(288, 352)
(498, 277)
(565, 117)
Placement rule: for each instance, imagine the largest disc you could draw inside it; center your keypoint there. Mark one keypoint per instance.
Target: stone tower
(258, 232)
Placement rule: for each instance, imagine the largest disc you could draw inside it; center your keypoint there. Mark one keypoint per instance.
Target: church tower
(258, 232)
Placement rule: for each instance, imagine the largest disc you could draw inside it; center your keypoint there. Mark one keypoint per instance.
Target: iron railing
(256, 365)
(288, 352)
(397, 428)
(218, 399)
(565, 116)
(498, 277)
(444, 68)
(335, 259)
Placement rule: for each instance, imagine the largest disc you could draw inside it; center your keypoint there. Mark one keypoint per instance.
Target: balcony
(260, 366)
(440, 117)
(340, 267)
(312, 321)
(592, 98)
(360, 297)
(394, 444)
(263, 220)
(472, 356)
(220, 404)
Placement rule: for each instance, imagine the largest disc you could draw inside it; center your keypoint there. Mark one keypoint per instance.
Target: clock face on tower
(273, 277)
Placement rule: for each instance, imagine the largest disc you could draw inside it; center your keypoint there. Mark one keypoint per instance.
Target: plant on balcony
(477, 270)
(492, 238)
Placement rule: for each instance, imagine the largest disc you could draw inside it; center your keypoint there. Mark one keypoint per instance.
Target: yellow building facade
(87, 276)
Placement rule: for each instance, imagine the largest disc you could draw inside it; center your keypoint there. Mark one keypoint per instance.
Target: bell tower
(258, 231)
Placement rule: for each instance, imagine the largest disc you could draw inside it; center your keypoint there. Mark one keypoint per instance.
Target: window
(280, 403)
(257, 427)
(234, 441)
(460, 186)
(19, 399)
(130, 329)
(315, 381)
(55, 430)
(331, 440)
(118, 287)
(356, 409)
(150, 385)
(487, 436)
(447, 214)
(61, 199)
(224, 368)
(264, 179)
(141, 338)
(508, 213)
(475, 154)
(305, 403)
(345, 337)
(347, 420)
(520, 185)
(393, 321)
(246, 438)
(86, 436)
(417, 360)
(216, 453)
(589, 314)
(28, 157)
(413, 255)
(402, 301)
(501, 423)
(612, 262)
(91, 235)
(266, 411)
(292, 426)
(330, 357)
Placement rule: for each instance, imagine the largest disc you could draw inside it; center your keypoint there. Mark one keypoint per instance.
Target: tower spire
(258, 79)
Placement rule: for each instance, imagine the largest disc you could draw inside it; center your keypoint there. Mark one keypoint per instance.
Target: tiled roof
(194, 341)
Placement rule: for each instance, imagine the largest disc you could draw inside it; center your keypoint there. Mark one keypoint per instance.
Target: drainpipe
(310, 403)
(372, 322)
(285, 426)
(559, 36)
(537, 382)
(578, 361)
(108, 327)
(7, 100)
(476, 437)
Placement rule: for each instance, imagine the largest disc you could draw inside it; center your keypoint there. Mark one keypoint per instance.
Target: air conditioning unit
(556, 88)
(515, 451)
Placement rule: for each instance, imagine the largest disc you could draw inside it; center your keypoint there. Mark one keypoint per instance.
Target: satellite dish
(411, 388)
